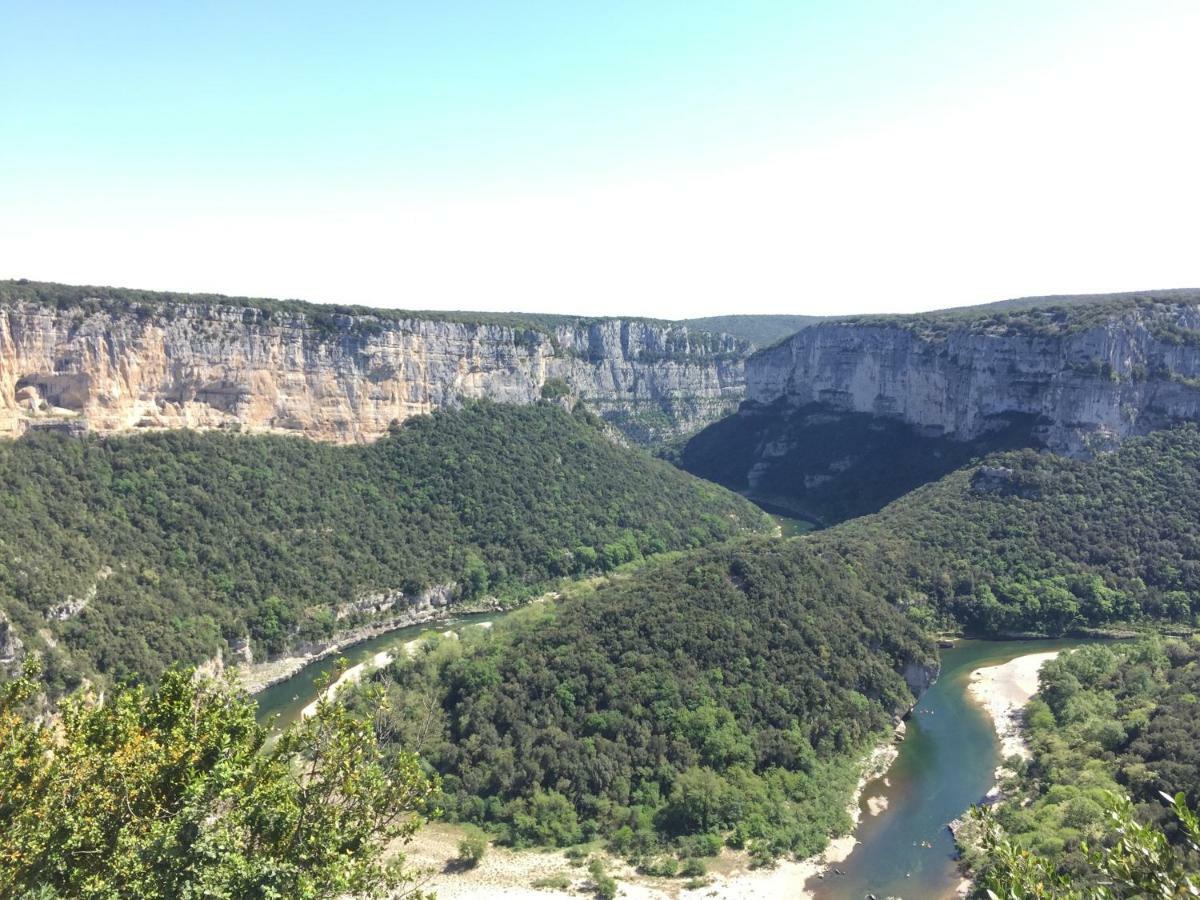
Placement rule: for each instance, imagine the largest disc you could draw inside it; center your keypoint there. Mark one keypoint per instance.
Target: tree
(472, 848)
(548, 819)
(176, 792)
(696, 800)
(1135, 861)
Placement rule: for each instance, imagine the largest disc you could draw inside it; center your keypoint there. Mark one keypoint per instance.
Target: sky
(669, 158)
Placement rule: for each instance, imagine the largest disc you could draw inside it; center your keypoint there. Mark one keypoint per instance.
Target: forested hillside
(726, 696)
(124, 555)
(1051, 316)
(1109, 722)
(729, 693)
(1032, 542)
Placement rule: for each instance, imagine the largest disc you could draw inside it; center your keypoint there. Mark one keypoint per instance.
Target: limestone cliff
(1089, 375)
(123, 366)
(848, 415)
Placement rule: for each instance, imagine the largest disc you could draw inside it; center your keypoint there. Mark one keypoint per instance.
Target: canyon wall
(1087, 381)
(848, 415)
(342, 378)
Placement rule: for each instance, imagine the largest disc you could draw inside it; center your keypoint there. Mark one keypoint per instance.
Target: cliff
(122, 362)
(847, 415)
(1089, 376)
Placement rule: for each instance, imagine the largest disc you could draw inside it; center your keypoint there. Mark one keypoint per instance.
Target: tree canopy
(726, 696)
(1033, 542)
(175, 793)
(124, 555)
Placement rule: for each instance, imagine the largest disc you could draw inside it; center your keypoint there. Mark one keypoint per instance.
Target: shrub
(553, 883)
(660, 867)
(605, 884)
(555, 388)
(472, 847)
(693, 868)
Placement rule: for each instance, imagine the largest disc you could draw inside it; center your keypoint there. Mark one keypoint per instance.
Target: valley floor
(510, 875)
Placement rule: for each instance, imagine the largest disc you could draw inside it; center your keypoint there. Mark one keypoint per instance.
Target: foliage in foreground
(724, 697)
(175, 793)
(1131, 860)
(1110, 721)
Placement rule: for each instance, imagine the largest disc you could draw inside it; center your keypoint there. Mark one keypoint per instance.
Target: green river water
(289, 697)
(946, 763)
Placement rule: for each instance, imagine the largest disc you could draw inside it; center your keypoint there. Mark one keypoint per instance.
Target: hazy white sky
(666, 159)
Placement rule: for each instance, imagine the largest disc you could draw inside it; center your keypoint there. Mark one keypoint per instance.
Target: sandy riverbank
(355, 674)
(259, 676)
(1003, 691)
(509, 875)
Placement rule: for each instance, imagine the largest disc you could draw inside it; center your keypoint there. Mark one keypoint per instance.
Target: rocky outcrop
(920, 676)
(437, 596)
(12, 648)
(1087, 377)
(340, 377)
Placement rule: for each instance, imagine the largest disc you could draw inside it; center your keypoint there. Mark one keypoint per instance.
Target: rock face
(920, 676)
(1128, 371)
(12, 648)
(340, 377)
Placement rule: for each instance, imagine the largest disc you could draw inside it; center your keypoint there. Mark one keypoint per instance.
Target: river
(289, 697)
(791, 523)
(946, 763)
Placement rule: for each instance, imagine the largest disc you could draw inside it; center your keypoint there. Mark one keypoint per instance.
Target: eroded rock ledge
(341, 377)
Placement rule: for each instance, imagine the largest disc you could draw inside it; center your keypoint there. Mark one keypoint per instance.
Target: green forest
(725, 697)
(127, 554)
(1030, 542)
(1111, 721)
(756, 673)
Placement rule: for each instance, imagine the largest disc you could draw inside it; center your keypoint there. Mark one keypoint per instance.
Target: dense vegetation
(1032, 542)
(1109, 721)
(1131, 861)
(724, 697)
(830, 466)
(1047, 316)
(132, 553)
(175, 793)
